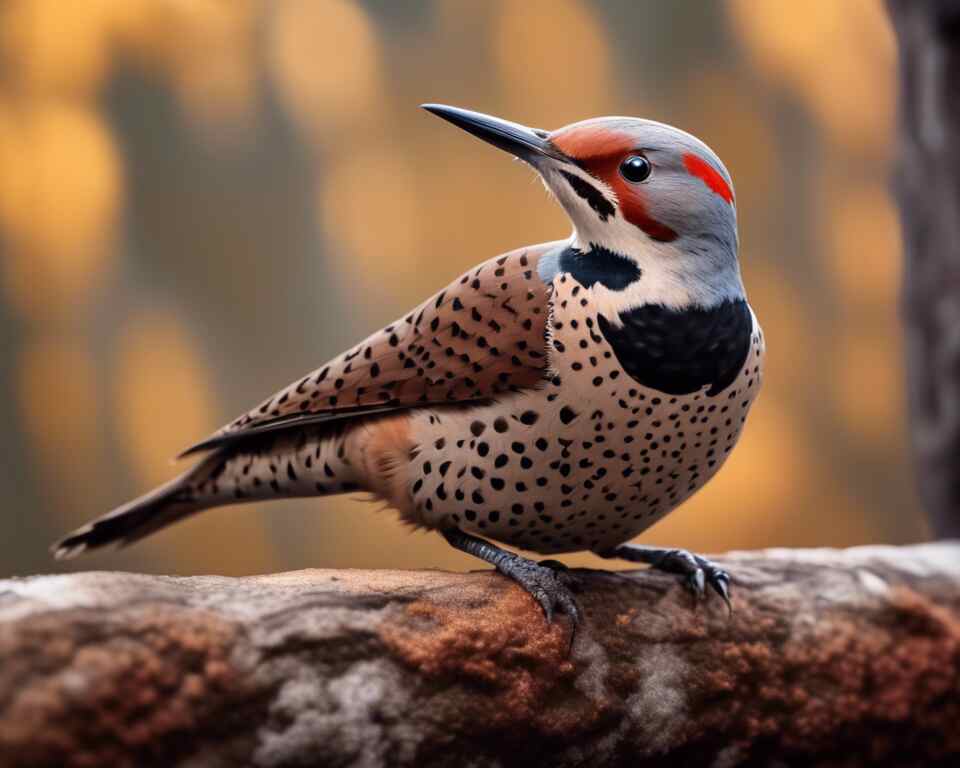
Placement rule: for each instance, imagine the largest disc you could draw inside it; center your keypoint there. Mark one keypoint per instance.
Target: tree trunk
(928, 187)
(831, 658)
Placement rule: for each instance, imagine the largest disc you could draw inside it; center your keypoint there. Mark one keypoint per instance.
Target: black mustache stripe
(594, 197)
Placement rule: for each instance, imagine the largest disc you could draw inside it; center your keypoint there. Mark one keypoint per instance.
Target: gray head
(644, 190)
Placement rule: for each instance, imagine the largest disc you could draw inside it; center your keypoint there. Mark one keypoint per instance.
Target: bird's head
(637, 189)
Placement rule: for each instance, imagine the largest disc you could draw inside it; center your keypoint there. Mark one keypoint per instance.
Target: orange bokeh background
(200, 200)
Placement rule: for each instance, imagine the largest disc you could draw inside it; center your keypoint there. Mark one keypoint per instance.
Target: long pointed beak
(519, 140)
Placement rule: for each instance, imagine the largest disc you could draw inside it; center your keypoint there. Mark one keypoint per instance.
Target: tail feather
(286, 465)
(132, 521)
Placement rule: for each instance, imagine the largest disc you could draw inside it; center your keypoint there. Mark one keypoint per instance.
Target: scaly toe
(548, 587)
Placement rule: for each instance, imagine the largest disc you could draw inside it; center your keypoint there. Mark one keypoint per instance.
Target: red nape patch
(697, 166)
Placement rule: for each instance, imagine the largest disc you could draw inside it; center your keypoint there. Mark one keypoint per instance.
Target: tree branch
(831, 657)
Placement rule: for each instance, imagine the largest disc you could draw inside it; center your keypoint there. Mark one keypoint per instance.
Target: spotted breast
(619, 433)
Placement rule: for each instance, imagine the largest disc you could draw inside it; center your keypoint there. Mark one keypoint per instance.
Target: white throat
(686, 272)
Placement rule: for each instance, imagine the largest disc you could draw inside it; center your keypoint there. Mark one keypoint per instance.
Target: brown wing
(480, 336)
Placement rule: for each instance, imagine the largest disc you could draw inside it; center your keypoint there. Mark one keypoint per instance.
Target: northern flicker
(560, 397)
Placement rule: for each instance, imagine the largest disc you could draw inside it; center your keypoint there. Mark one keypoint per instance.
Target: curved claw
(569, 606)
(696, 582)
(544, 599)
(721, 585)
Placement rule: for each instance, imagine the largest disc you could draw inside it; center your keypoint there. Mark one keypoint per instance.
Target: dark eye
(635, 168)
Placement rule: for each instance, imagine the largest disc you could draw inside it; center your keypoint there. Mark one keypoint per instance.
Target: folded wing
(481, 336)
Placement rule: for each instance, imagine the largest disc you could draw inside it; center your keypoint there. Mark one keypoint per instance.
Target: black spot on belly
(681, 351)
(529, 418)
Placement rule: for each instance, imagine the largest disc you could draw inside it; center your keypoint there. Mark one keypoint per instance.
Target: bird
(557, 398)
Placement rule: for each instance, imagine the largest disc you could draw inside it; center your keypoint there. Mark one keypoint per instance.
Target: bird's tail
(134, 520)
(283, 466)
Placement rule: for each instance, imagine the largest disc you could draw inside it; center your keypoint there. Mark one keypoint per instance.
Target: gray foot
(546, 583)
(697, 571)
(549, 586)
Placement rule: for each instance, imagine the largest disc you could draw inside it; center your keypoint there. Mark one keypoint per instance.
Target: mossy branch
(829, 655)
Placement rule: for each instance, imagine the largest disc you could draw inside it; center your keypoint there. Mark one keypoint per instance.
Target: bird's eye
(635, 168)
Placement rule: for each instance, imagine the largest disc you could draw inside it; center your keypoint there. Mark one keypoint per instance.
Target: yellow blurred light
(164, 397)
(720, 111)
(165, 401)
(59, 47)
(325, 60)
(482, 203)
(542, 82)
(59, 199)
(157, 33)
(220, 97)
(780, 45)
(369, 204)
(58, 395)
(206, 49)
(867, 383)
(864, 253)
(838, 56)
(166, 33)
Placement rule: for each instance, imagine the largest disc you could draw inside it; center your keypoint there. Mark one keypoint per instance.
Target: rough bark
(830, 658)
(928, 187)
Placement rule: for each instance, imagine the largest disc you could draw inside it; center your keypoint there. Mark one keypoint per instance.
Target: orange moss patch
(506, 649)
(878, 680)
(136, 688)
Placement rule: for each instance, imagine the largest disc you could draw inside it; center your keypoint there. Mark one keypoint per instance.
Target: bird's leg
(697, 571)
(544, 583)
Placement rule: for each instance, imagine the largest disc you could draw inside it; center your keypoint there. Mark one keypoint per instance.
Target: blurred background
(201, 200)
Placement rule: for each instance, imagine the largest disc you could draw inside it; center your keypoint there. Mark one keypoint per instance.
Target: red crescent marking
(697, 166)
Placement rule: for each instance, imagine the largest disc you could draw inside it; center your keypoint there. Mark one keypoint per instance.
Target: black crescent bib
(682, 351)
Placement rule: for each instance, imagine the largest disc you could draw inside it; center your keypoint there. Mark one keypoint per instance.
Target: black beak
(526, 143)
